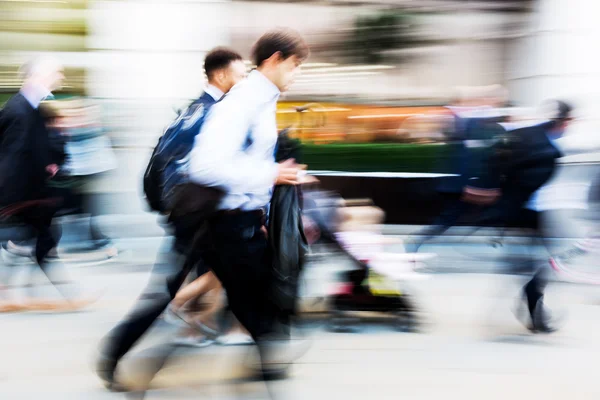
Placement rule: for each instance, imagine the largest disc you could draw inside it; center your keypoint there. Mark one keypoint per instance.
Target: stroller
(373, 284)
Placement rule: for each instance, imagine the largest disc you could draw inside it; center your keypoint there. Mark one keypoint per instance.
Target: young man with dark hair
(235, 151)
(224, 69)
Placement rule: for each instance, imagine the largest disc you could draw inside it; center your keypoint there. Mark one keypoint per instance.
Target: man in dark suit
(27, 160)
(467, 140)
(513, 176)
(224, 68)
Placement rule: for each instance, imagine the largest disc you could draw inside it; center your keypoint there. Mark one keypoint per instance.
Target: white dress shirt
(221, 157)
(35, 94)
(214, 92)
(565, 191)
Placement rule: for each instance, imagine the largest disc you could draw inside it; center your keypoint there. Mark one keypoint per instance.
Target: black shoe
(540, 319)
(279, 374)
(106, 369)
(536, 321)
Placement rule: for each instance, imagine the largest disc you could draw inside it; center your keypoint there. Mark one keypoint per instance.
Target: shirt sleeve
(218, 159)
(576, 144)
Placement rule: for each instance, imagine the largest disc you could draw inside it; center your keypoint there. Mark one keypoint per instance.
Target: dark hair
(563, 110)
(286, 41)
(219, 58)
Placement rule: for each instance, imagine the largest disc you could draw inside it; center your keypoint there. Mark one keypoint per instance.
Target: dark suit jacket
(534, 160)
(25, 152)
(532, 164)
(466, 146)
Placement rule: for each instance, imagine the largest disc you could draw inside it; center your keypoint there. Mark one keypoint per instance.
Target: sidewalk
(471, 348)
(140, 239)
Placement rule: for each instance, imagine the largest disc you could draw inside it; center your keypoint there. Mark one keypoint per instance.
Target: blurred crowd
(243, 209)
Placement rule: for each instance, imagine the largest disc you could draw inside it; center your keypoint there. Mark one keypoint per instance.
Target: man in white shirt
(235, 151)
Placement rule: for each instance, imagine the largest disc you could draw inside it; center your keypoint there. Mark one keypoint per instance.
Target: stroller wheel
(405, 321)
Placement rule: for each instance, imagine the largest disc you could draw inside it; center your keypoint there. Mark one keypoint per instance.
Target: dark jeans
(241, 261)
(167, 276)
(39, 219)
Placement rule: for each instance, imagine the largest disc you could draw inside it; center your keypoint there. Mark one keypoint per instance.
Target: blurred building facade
(143, 59)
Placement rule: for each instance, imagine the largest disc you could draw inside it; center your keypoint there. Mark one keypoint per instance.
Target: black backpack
(167, 168)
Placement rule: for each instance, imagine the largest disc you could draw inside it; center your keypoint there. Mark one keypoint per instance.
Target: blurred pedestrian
(76, 131)
(469, 132)
(224, 69)
(28, 161)
(522, 164)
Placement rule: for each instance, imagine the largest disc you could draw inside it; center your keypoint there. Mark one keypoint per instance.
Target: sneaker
(235, 339)
(19, 250)
(205, 329)
(577, 265)
(105, 370)
(193, 341)
(590, 243)
(541, 320)
(177, 317)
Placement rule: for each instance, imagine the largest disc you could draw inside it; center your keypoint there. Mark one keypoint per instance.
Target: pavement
(470, 347)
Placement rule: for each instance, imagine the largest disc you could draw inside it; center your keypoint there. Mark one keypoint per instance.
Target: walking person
(468, 132)
(224, 68)
(514, 179)
(235, 151)
(28, 161)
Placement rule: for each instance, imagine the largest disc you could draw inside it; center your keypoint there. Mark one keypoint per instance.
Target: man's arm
(218, 159)
(15, 140)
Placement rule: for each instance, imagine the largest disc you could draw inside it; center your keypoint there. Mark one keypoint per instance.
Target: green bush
(378, 157)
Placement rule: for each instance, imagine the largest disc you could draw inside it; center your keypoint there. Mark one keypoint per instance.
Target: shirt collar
(265, 86)
(35, 94)
(214, 92)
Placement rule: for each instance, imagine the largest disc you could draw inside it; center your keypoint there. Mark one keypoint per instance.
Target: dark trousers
(39, 219)
(454, 209)
(165, 281)
(241, 261)
(167, 276)
(508, 211)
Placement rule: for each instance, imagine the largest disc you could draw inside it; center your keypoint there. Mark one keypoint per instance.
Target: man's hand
(288, 173)
(52, 169)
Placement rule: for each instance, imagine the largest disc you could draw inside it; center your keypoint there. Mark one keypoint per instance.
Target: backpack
(167, 168)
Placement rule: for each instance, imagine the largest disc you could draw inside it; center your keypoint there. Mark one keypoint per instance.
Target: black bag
(288, 244)
(167, 168)
(286, 233)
